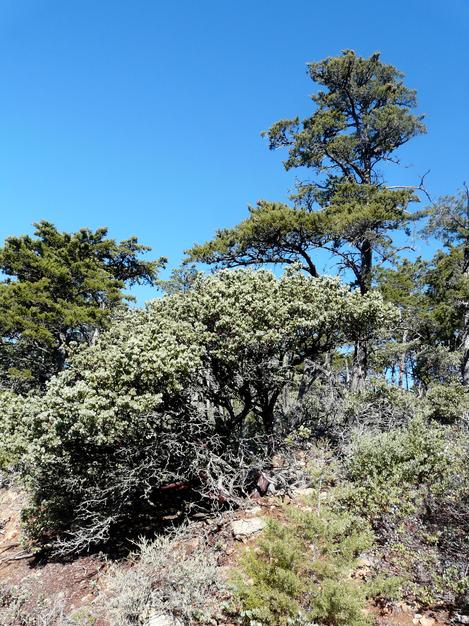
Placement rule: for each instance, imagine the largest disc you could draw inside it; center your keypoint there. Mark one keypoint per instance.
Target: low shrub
(164, 577)
(412, 485)
(300, 571)
(449, 403)
(16, 610)
(389, 473)
(329, 410)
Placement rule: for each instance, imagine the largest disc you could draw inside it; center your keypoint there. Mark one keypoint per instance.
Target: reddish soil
(77, 584)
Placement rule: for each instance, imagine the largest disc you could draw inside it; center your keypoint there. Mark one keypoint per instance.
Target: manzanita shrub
(168, 396)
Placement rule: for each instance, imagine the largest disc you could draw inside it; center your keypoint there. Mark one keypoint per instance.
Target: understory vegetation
(122, 424)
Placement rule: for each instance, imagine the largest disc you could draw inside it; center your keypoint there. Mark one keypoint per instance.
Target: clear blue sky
(145, 115)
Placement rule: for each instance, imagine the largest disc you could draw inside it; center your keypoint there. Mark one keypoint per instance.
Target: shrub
(167, 396)
(389, 472)
(412, 484)
(330, 410)
(164, 577)
(448, 403)
(14, 611)
(299, 572)
(14, 432)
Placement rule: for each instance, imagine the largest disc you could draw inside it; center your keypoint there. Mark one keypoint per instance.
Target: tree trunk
(268, 421)
(465, 332)
(306, 378)
(366, 266)
(402, 368)
(61, 353)
(465, 350)
(360, 366)
(360, 355)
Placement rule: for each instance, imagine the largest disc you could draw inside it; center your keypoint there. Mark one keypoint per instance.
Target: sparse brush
(15, 610)
(169, 576)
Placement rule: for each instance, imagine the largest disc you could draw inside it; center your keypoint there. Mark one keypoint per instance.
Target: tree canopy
(362, 114)
(361, 117)
(61, 289)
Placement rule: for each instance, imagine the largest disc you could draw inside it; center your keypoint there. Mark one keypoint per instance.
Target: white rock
(305, 492)
(163, 620)
(246, 527)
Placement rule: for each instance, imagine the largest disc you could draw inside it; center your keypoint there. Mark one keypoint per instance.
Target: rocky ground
(78, 584)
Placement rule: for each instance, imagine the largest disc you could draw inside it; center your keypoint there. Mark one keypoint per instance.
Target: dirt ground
(77, 584)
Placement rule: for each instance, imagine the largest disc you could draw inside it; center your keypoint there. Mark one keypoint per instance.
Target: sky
(145, 115)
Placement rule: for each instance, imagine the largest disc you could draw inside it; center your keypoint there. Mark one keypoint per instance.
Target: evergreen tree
(449, 222)
(362, 116)
(430, 340)
(60, 289)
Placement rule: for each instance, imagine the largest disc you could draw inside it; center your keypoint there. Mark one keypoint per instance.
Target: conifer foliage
(60, 289)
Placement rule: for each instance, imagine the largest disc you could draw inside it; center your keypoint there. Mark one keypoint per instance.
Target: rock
(461, 619)
(246, 527)
(427, 621)
(163, 620)
(304, 493)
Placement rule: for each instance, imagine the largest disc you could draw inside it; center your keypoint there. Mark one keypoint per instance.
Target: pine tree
(61, 289)
(362, 115)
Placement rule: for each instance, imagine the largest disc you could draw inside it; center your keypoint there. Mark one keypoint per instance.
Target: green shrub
(447, 403)
(299, 571)
(389, 472)
(412, 484)
(167, 396)
(15, 427)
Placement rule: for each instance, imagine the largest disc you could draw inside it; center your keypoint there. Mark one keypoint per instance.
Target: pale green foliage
(390, 472)
(13, 431)
(167, 389)
(164, 577)
(412, 484)
(18, 607)
(449, 219)
(448, 403)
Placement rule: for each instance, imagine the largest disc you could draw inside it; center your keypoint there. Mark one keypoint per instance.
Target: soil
(77, 583)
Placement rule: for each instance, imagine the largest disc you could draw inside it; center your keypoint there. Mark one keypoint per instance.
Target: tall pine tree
(362, 114)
